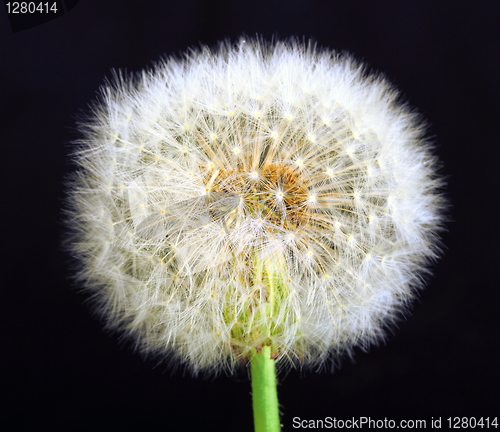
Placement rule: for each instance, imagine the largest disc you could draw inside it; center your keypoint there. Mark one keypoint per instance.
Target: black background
(60, 371)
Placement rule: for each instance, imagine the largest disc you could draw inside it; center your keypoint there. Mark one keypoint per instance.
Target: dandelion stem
(264, 392)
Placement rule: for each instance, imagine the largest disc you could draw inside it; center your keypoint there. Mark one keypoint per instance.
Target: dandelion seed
(225, 204)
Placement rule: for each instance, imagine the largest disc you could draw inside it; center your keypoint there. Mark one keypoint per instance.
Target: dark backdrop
(60, 371)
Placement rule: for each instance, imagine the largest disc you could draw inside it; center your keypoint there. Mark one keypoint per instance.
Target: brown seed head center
(274, 195)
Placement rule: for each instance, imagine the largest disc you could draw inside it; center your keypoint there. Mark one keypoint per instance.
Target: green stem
(264, 392)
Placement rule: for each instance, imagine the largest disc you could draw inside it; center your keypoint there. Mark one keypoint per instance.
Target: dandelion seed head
(259, 194)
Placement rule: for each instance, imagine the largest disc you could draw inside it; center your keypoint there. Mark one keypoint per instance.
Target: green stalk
(264, 392)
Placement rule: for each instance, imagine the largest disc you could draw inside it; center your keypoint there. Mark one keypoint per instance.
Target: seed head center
(276, 196)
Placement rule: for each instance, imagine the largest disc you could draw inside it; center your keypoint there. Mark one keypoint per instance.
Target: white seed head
(261, 194)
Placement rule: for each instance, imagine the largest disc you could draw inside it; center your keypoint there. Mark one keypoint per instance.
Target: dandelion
(262, 198)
